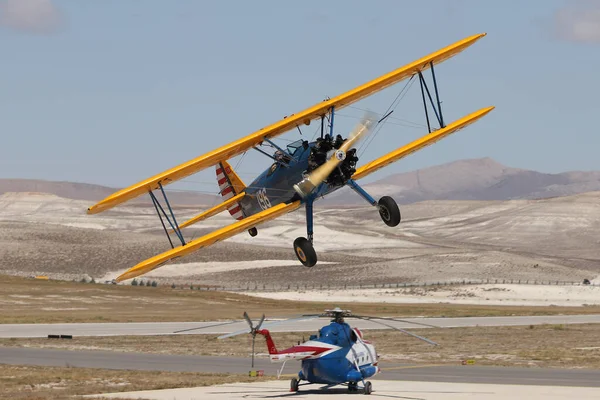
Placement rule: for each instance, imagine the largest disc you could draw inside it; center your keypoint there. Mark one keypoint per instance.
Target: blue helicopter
(337, 355)
(300, 174)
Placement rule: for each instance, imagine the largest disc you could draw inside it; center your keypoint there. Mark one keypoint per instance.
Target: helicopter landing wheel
(305, 252)
(294, 385)
(368, 387)
(253, 231)
(389, 211)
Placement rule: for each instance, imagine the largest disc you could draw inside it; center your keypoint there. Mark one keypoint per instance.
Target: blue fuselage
(275, 185)
(337, 367)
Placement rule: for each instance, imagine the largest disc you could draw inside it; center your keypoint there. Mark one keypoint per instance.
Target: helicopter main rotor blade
(401, 330)
(208, 326)
(267, 324)
(393, 319)
(317, 176)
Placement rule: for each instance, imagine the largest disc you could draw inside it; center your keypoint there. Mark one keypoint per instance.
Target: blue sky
(114, 91)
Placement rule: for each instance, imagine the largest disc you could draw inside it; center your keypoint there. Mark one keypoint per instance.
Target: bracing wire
(362, 148)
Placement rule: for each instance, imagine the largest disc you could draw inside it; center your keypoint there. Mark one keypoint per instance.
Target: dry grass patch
(25, 300)
(54, 383)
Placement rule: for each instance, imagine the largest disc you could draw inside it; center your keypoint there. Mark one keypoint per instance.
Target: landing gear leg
(388, 208)
(303, 247)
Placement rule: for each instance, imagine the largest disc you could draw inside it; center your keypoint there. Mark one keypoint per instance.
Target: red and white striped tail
(224, 178)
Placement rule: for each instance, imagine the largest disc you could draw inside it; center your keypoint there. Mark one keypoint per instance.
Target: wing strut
(437, 109)
(173, 223)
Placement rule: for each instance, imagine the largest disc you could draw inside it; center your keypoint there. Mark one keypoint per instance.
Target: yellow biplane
(318, 168)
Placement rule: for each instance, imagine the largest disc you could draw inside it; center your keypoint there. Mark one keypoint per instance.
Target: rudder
(230, 185)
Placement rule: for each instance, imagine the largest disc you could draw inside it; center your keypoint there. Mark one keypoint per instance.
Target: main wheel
(294, 385)
(389, 211)
(352, 387)
(305, 252)
(368, 387)
(253, 231)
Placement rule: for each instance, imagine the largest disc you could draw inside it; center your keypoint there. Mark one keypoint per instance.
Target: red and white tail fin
(230, 185)
(269, 339)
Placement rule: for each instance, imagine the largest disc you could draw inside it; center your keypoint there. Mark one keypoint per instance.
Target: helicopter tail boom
(270, 343)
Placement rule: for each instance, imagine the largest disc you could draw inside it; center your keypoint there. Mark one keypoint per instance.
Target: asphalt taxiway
(221, 327)
(390, 370)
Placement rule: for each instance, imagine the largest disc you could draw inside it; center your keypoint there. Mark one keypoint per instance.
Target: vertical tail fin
(230, 185)
(269, 339)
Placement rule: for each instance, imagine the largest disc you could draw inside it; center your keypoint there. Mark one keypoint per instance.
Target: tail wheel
(253, 231)
(294, 385)
(368, 387)
(305, 252)
(389, 211)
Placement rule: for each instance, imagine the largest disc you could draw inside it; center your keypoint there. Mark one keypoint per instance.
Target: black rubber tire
(253, 231)
(294, 385)
(368, 387)
(305, 252)
(389, 211)
(352, 387)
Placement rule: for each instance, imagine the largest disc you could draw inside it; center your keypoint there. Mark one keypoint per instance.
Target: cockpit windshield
(294, 146)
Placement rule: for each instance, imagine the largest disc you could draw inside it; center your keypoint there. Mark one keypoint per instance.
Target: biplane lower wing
(210, 239)
(213, 211)
(291, 122)
(418, 144)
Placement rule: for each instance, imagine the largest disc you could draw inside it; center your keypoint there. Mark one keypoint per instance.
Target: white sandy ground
(283, 235)
(381, 389)
(531, 295)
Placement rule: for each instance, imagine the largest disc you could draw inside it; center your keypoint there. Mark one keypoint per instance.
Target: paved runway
(406, 390)
(216, 327)
(390, 371)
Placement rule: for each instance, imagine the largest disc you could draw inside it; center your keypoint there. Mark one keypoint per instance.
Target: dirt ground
(62, 383)
(25, 300)
(549, 239)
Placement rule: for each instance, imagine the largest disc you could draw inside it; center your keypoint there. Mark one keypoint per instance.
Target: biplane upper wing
(418, 144)
(239, 146)
(209, 239)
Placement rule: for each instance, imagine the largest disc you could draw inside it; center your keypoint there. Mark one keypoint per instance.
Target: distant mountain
(474, 179)
(90, 192)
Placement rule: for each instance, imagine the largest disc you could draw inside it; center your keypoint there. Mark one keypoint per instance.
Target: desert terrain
(444, 241)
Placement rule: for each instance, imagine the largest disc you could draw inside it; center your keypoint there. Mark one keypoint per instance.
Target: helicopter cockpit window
(294, 146)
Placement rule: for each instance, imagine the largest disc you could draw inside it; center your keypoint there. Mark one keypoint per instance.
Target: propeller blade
(260, 322)
(316, 177)
(248, 320)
